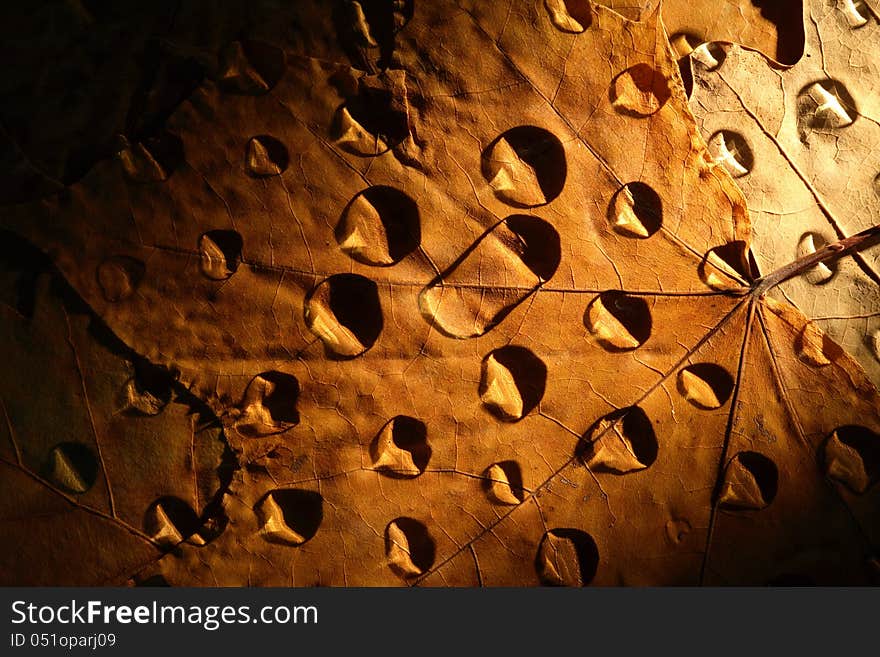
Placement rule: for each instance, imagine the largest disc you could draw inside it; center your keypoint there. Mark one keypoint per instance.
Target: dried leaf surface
(473, 308)
(773, 28)
(105, 466)
(802, 143)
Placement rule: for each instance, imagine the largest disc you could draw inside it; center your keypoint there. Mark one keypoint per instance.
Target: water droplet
(750, 482)
(380, 226)
(250, 68)
(150, 161)
(731, 150)
(620, 442)
(169, 521)
(140, 401)
(567, 557)
(525, 166)
(344, 312)
(636, 211)
(709, 56)
(572, 16)
(290, 516)
(821, 273)
(852, 457)
(269, 405)
(73, 467)
(618, 321)
(726, 267)
(512, 382)
(462, 302)
(705, 385)
(374, 118)
(640, 91)
(856, 13)
(266, 157)
(220, 253)
(503, 483)
(409, 547)
(825, 105)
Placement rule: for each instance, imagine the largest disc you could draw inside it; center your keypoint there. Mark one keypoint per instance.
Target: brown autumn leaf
(99, 457)
(477, 311)
(802, 144)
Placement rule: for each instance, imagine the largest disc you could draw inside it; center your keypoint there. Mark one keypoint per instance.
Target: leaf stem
(867, 238)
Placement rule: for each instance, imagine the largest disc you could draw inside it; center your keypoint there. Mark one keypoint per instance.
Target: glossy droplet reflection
(73, 467)
(622, 441)
(707, 55)
(290, 516)
(640, 91)
(409, 548)
(566, 557)
(525, 166)
(374, 118)
(471, 297)
(731, 150)
(343, 311)
(220, 253)
(266, 157)
(705, 385)
(726, 267)
(572, 16)
(618, 321)
(380, 226)
(856, 13)
(401, 449)
(269, 405)
(512, 382)
(826, 106)
(170, 520)
(250, 68)
(750, 482)
(821, 273)
(152, 160)
(851, 455)
(636, 211)
(503, 483)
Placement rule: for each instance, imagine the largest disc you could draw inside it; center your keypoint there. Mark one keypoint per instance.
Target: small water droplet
(567, 557)
(401, 449)
(266, 157)
(512, 382)
(705, 385)
(640, 91)
(73, 467)
(572, 16)
(344, 312)
(750, 482)
(732, 151)
(290, 516)
(409, 547)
